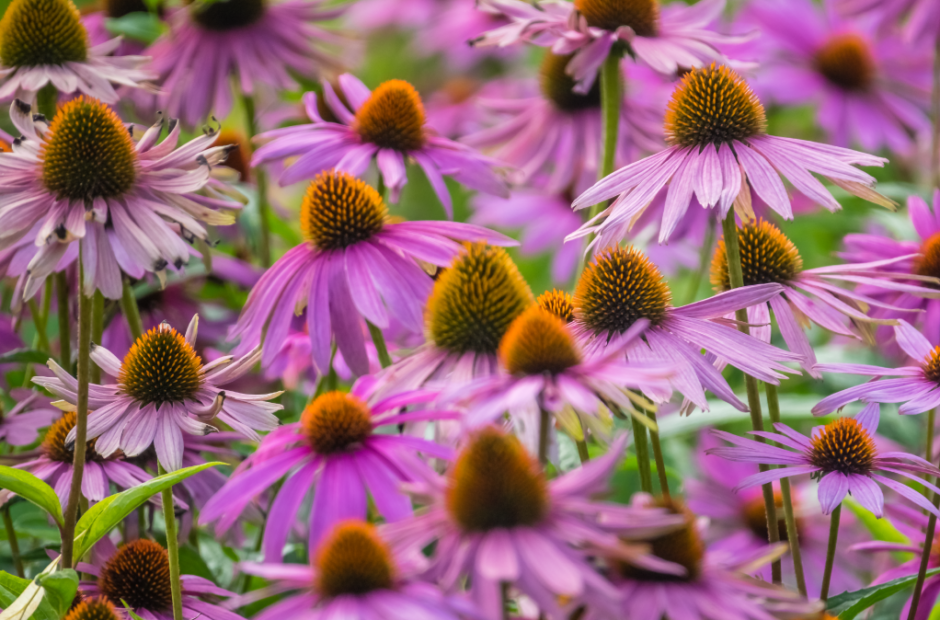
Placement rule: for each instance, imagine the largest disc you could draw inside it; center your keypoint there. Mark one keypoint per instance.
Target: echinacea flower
(718, 145)
(916, 386)
(387, 125)
(922, 25)
(260, 43)
(138, 574)
(841, 455)
(621, 287)
(357, 575)
(20, 425)
(713, 585)
(93, 608)
(768, 256)
(556, 133)
(543, 369)
(665, 38)
(338, 452)
(354, 266)
(868, 87)
(163, 390)
(919, 260)
(134, 202)
(43, 42)
(497, 520)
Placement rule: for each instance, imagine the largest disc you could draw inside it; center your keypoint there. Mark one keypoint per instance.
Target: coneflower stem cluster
(65, 328)
(642, 455)
(931, 526)
(81, 421)
(12, 540)
(378, 339)
(261, 183)
(736, 279)
(831, 551)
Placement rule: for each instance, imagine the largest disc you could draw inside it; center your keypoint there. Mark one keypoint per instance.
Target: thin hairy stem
(658, 456)
(172, 548)
(380, 347)
(545, 428)
(12, 540)
(642, 455)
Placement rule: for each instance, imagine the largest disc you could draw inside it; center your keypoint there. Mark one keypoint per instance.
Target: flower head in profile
(133, 200)
(43, 42)
(138, 574)
(841, 455)
(20, 425)
(355, 572)
(496, 519)
(387, 125)
(621, 288)
(164, 390)
(716, 129)
(344, 448)
(260, 44)
(869, 87)
(354, 266)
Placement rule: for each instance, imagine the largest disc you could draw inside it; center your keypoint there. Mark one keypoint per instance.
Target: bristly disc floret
(640, 15)
(93, 609)
(54, 446)
(843, 446)
(139, 574)
(713, 105)
(847, 62)
(931, 365)
(335, 421)
(538, 342)
(87, 152)
(475, 300)
(928, 263)
(495, 483)
(340, 210)
(353, 560)
(161, 367)
(559, 303)
(222, 15)
(682, 546)
(620, 287)
(42, 32)
(392, 117)
(557, 85)
(767, 256)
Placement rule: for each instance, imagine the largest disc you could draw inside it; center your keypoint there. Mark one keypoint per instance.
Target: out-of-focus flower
(163, 390)
(338, 452)
(259, 42)
(96, 24)
(923, 17)
(868, 87)
(44, 42)
(387, 125)
(718, 145)
(354, 266)
(20, 425)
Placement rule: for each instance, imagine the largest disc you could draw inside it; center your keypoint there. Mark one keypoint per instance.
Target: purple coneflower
(808, 295)
(841, 455)
(337, 451)
(354, 266)
(259, 42)
(556, 132)
(146, 198)
(44, 42)
(915, 386)
(163, 390)
(388, 125)
(497, 520)
(667, 39)
(923, 17)
(621, 287)
(138, 574)
(20, 425)
(356, 574)
(868, 88)
(716, 130)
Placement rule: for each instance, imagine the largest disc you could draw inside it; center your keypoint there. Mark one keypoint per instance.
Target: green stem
(545, 429)
(642, 455)
(583, 453)
(831, 552)
(261, 180)
(81, 422)
(97, 329)
(793, 537)
(504, 595)
(611, 104)
(172, 548)
(65, 331)
(736, 278)
(130, 311)
(703, 261)
(46, 101)
(384, 358)
(39, 320)
(931, 526)
(658, 456)
(12, 540)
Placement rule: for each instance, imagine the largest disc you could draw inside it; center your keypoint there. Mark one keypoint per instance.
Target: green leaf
(23, 599)
(848, 605)
(32, 489)
(108, 513)
(60, 588)
(140, 26)
(24, 356)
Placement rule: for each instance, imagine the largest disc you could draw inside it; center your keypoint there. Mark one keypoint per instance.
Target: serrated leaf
(108, 513)
(139, 26)
(848, 605)
(32, 489)
(24, 356)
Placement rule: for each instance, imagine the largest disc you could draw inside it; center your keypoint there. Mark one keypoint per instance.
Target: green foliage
(61, 587)
(850, 604)
(31, 488)
(24, 356)
(139, 26)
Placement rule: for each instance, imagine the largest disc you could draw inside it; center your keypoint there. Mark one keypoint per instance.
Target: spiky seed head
(392, 117)
(42, 32)
(54, 447)
(640, 15)
(846, 61)
(161, 367)
(340, 210)
(538, 342)
(682, 546)
(767, 256)
(559, 303)
(98, 608)
(139, 574)
(557, 85)
(353, 560)
(843, 446)
(335, 421)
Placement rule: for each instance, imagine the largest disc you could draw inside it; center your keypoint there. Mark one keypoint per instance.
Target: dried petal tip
(340, 210)
(42, 32)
